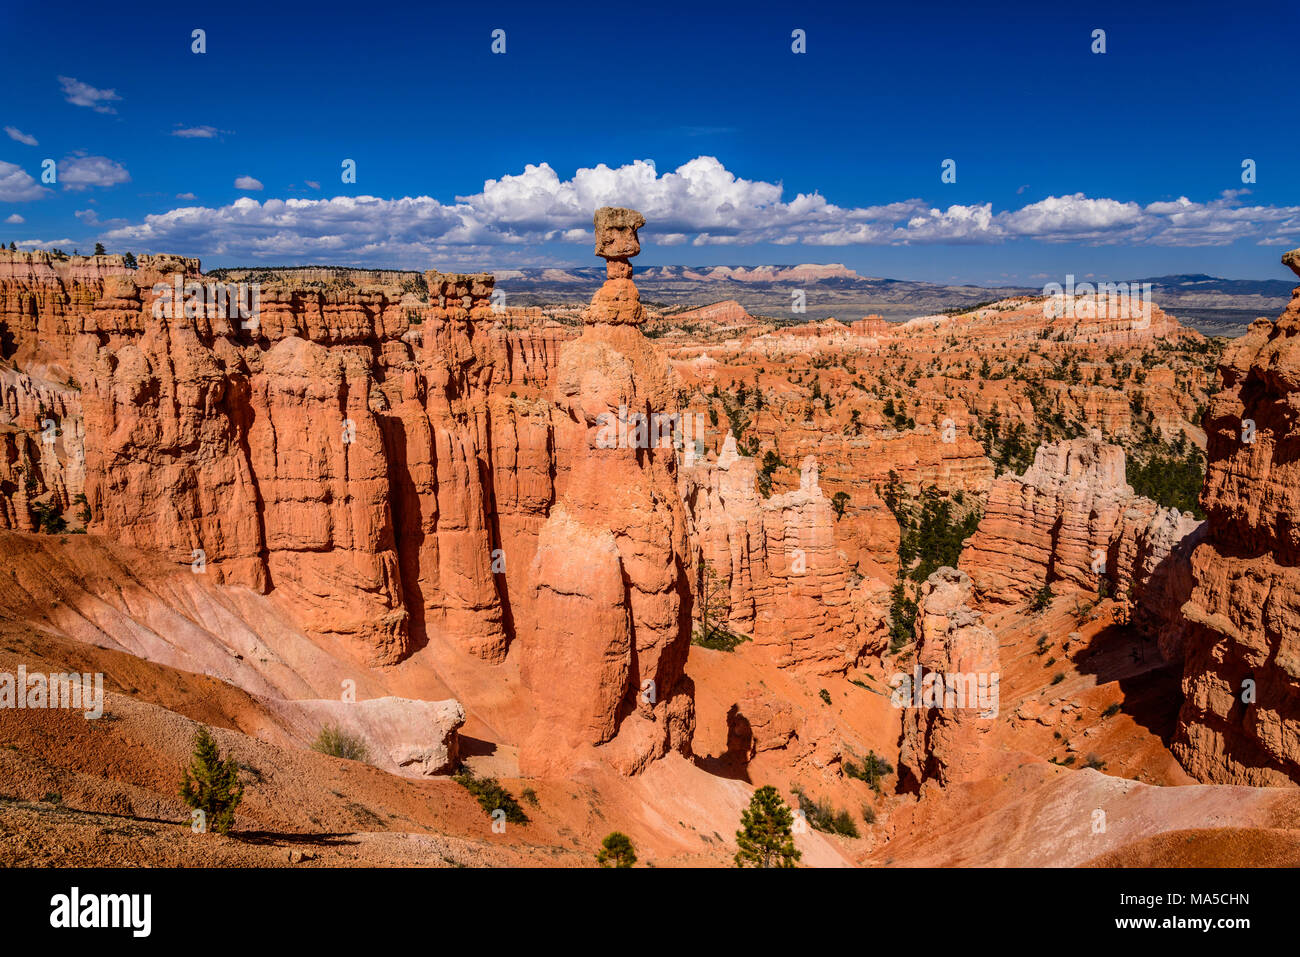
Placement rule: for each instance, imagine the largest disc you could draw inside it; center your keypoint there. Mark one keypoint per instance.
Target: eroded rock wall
(1073, 523)
(394, 457)
(789, 585)
(952, 696)
(1240, 720)
(340, 448)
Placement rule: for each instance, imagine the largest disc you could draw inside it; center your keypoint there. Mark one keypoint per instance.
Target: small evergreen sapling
(211, 785)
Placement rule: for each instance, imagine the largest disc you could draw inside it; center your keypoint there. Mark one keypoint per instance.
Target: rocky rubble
(416, 739)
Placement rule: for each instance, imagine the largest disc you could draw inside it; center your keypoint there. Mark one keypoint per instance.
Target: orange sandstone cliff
(1240, 720)
(381, 453)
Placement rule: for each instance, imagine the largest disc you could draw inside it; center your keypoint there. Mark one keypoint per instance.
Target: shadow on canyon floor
(1152, 688)
(732, 763)
(287, 838)
(472, 747)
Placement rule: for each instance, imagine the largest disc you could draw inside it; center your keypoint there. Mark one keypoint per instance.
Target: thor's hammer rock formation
(606, 654)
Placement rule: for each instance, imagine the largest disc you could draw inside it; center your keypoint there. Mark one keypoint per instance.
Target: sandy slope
(176, 650)
(156, 623)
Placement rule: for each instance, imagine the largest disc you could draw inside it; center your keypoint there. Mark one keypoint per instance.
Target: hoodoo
(605, 658)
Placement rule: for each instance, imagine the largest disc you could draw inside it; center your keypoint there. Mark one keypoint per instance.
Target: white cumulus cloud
(17, 185)
(701, 203)
(46, 244)
(82, 172)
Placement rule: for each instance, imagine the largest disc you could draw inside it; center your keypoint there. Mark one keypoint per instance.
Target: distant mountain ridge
(1210, 304)
(1199, 282)
(809, 272)
(837, 272)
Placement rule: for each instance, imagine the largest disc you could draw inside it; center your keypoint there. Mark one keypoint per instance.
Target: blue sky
(738, 150)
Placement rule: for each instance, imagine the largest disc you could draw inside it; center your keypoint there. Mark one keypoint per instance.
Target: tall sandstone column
(942, 742)
(605, 657)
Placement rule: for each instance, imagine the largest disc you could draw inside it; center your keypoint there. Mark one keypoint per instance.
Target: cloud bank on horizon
(701, 203)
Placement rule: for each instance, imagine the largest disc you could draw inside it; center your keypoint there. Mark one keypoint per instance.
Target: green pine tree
(99, 249)
(616, 851)
(211, 785)
(764, 838)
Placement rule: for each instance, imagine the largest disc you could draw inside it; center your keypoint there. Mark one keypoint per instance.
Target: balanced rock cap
(1291, 259)
(616, 232)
